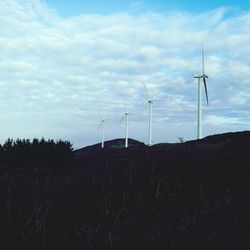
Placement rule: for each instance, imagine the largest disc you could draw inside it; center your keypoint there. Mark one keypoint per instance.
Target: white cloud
(66, 70)
(224, 120)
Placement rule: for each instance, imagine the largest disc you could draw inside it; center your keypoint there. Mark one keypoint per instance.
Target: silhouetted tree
(24, 153)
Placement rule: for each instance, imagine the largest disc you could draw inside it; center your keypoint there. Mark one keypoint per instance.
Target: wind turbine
(201, 77)
(150, 111)
(102, 122)
(125, 117)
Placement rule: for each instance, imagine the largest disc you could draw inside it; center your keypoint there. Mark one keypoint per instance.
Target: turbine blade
(203, 63)
(100, 115)
(122, 118)
(144, 108)
(100, 125)
(158, 100)
(146, 91)
(124, 108)
(205, 85)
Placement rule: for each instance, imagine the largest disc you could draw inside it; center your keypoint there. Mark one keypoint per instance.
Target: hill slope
(193, 195)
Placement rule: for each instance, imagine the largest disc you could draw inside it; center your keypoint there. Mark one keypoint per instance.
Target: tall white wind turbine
(150, 110)
(201, 77)
(102, 122)
(125, 117)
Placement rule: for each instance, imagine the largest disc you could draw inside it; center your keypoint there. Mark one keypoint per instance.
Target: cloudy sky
(62, 62)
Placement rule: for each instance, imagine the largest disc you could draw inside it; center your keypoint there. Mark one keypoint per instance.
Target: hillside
(192, 195)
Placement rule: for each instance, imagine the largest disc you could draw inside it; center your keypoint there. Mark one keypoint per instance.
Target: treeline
(36, 153)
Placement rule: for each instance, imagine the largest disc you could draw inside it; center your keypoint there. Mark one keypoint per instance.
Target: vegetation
(181, 139)
(192, 195)
(26, 154)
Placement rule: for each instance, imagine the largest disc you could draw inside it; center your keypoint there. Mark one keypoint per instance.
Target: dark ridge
(232, 137)
(109, 145)
(235, 139)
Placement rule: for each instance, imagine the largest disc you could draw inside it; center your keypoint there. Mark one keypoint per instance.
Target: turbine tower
(201, 77)
(102, 122)
(125, 117)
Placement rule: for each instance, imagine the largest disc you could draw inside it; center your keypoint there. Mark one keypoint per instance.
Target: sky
(63, 62)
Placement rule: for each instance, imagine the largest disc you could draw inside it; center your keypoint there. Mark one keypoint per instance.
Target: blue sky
(77, 7)
(62, 62)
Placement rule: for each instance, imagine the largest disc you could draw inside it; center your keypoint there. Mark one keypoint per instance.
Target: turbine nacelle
(201, 76)
(123, 117)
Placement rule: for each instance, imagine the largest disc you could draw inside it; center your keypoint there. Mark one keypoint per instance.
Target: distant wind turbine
(102, 122)
(125, 117)
(150, 109)
(201, 77)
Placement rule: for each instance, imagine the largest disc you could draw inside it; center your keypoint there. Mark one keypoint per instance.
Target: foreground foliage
(186, 196)
(24, 154)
